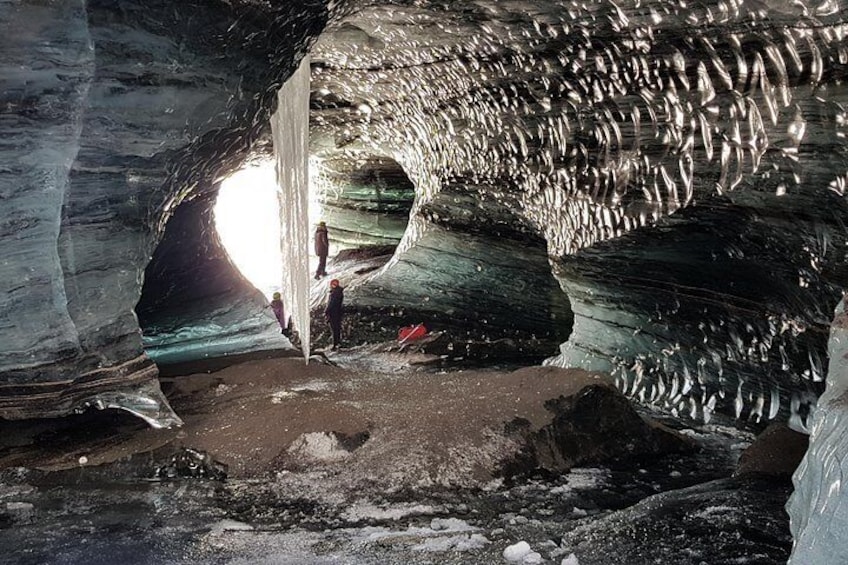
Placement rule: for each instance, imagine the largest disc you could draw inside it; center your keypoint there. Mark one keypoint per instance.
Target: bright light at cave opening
(247, 217)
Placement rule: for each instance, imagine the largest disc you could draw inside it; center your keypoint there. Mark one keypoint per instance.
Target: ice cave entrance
(247, 217)
(365, 201)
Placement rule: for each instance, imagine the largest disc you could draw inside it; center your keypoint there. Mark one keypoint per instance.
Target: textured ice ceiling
(590, 124)
(675, 171)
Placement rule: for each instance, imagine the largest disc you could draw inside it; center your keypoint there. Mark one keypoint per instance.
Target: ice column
(290, 129)
(818, 509)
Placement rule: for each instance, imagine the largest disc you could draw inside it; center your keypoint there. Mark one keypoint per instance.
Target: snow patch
(712, 511)
(313, 386)
(365, 511)
(222, 526)
(318, 446)
(582, 479)
(280, 395)
(453, 543)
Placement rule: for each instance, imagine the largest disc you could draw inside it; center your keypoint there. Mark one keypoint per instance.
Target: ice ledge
(818, 509)
(132, 386)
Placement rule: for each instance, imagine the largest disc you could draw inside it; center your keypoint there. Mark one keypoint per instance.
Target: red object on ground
(411, 333)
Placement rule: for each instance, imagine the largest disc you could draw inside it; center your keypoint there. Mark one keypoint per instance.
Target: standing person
(333, 312)
(322, 249)
(277, 307)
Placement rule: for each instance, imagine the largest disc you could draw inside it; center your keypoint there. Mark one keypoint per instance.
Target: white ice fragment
(570, 560)
(453, 543)
(516, 552)
(449, 524)
(818, 508)
(222, 526)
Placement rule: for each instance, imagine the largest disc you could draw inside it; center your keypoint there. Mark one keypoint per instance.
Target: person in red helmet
(333, 311)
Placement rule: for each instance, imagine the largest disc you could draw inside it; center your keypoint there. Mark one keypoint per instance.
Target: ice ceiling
(684, 164)
(657, 186)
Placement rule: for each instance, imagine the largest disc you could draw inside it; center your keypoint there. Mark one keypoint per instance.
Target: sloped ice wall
(113, 114)
(818, 508)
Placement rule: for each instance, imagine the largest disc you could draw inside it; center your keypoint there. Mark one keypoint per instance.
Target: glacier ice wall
(818, 508)
(706, 313)
(113, 115)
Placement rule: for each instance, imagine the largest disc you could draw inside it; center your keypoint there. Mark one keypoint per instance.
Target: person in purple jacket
(322, 249)
(277, 307)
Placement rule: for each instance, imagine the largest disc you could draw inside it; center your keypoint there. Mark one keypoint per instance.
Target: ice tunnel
(651, 189)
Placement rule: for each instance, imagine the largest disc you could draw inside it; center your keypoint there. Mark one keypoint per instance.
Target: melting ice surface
(818, 508)
(290, 129)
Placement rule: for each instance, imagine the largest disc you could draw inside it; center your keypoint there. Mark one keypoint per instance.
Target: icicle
(290, 130)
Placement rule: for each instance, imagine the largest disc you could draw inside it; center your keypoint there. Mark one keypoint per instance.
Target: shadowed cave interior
(649, 191)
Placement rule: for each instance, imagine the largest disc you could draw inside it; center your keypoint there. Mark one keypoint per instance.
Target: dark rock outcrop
(595, 425)
(739, 516)
(778, 450)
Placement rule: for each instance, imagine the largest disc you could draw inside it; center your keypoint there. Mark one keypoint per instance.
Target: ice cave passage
(654, 190)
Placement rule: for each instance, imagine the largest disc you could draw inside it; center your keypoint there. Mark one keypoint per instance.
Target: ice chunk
(532, 558)
(226, 525)
(517, 552)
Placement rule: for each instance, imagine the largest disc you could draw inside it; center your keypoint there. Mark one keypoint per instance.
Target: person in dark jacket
(322, 249)
(277, 307)
(333, 312)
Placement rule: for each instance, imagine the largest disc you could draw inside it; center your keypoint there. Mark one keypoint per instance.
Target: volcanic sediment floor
(345, 461)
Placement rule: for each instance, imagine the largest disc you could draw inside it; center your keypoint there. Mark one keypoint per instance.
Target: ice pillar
(290, 130)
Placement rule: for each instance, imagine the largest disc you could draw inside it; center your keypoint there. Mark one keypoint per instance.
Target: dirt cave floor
(361, 458)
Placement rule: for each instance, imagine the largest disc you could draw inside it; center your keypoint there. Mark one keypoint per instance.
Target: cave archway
(206, 291)
(195, 303)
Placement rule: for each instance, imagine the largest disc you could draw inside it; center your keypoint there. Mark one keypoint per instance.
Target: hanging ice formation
(290, 130)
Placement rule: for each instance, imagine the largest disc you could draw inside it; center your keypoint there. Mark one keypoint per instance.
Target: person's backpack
(412, 333)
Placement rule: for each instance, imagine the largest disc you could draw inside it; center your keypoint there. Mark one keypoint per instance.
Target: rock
(191, 463)
(596, 424)
(778, 450)
(19, 512)
(713, 521)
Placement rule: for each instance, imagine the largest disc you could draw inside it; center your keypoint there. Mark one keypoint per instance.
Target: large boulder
(595, 424)
(778, 450)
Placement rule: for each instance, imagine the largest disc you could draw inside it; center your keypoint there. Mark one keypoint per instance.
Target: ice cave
(622, 222)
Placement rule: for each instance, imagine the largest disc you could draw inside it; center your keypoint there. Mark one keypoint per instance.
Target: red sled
(411, 333)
